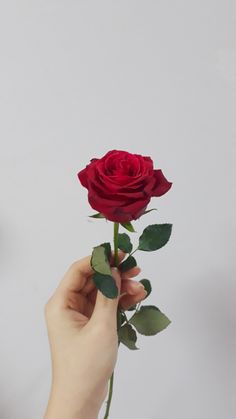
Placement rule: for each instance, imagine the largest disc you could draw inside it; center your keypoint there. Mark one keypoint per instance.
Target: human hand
(82, 331)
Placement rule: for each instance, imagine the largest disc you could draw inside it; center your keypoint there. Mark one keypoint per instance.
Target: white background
(79, 78)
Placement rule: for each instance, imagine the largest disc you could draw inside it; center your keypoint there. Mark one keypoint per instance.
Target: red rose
(120, 184)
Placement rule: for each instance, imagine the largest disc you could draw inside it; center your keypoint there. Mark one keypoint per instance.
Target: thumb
(105, 307)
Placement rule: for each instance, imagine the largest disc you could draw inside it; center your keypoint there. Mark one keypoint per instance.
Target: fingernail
(140, 286)
(124, 293)
(114, 269)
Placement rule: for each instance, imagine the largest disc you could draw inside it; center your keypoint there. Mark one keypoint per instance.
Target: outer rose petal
(137, 208)
(162, 184)
(82, 175)
(120, 212)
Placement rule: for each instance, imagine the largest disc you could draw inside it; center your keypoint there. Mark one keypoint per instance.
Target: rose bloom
(120, 184)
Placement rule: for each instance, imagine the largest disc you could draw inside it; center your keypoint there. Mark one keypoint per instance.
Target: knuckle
(74, 265)
(47, 307)
(50, 307)
(77, 265)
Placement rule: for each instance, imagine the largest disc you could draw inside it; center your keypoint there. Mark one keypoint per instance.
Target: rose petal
(136, 208)
(162, 184)
(82, 175)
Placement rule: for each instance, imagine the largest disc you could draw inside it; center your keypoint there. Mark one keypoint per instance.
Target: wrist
(57, 410)
(61, 406)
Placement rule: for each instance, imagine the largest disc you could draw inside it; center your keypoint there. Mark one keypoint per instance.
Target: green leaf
(154, 237)
(149, 320)
(124, 243)
(107, 247)
(99, 261)
(128, 336)
(97, 215)
(147, 286)
(147, 211)
(128, 263)
(128, 227)
(106, 284)
(132, 308)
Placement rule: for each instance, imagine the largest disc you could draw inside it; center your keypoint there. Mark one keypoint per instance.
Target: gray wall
(78, 78)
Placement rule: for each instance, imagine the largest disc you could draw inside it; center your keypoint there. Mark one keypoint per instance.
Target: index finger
(78, 274)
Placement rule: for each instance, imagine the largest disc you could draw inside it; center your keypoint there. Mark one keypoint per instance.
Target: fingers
(131, 287)
(90, 286)
(79, 303)
(121, 256)
(128, 300)
(131, 273)
(76, 276)
(134, 292)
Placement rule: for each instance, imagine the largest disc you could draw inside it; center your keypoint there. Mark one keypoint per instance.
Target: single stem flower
(120, 186)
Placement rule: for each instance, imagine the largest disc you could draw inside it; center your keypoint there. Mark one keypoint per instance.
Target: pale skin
(82, 332)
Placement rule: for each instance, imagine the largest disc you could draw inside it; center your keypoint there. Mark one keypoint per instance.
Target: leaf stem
(133, 252)
(137, 308)
(126, 319)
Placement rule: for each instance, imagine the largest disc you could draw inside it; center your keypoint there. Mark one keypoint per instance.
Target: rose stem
(116, 230)
(109, 396)
(116, 260)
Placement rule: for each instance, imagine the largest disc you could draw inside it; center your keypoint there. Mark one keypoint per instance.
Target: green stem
(116, 260)
(109, 396)
(116, 230)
